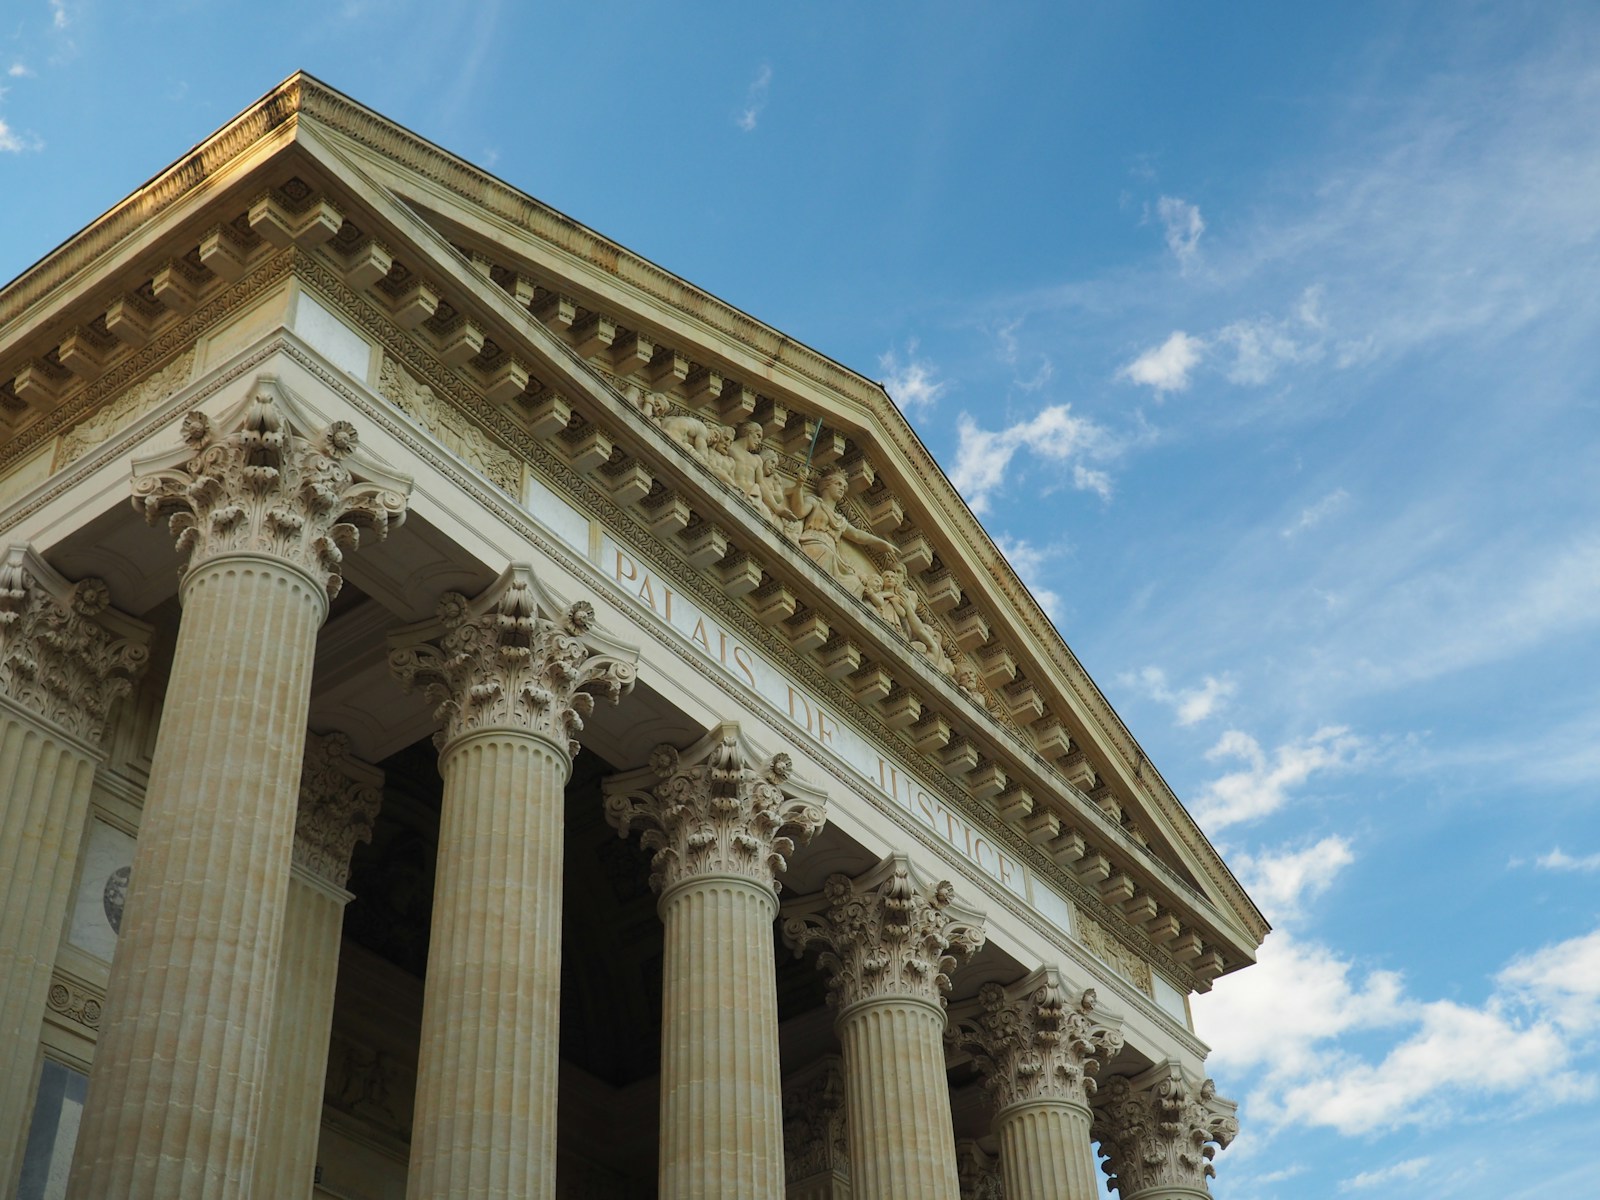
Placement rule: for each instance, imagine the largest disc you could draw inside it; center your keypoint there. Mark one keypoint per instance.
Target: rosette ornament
(513, 658)
(263, 481)
(720, 807)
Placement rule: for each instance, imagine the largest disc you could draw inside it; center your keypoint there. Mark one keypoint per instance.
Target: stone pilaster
(1039, 1051)
(263, 508)
(721, 819)
(816, 1140)
(513, 674)
(1159, 1131)
(339, 799)
(65, 658)
(889, 942)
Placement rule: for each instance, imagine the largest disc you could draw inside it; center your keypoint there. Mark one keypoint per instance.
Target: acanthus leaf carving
(503, 660)
(259, 482)
(1033, 1041)
(1161, 1129)
(978, 1172)
(884, 934)
(134, 402)
(65, 653)
(816, 1137)
(339, 800)
(718, 807)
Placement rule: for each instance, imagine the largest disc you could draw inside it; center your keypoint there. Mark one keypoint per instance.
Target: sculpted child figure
(823, 526)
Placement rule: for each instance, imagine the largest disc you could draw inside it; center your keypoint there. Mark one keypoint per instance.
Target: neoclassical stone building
(480, 717)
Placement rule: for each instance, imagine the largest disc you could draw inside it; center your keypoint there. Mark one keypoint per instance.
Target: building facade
(537, 731)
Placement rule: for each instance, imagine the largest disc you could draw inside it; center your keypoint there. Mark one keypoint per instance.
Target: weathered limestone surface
(1159, 1132)
(889, 942)
(339, 797)
(721, 820)
(264, 512)
(64, 658)
(512, 687)
(1039, 1052)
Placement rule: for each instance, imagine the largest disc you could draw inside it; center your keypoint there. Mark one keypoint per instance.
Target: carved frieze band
(261, 481)
(1037, 1039)
(719, 807)
(339, 800)
(514, 657)
(887, 933)
(65, 653)
(1161, 1129)
(75, 1002)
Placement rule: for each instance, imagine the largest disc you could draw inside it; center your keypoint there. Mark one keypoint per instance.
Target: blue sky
(1263, 338)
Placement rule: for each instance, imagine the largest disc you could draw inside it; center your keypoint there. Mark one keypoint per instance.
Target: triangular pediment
(792, 483)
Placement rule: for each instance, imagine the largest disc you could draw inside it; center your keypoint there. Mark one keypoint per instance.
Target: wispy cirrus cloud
(1410, 1168)
(1028, 560)
(1183, 225)
(1559, 860)
(911, 382)
(755, 99)
(1190, 705)
(12, 142)
(1315, 514)
(1262, 785)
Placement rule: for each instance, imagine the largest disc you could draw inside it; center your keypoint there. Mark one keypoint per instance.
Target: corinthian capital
(718, 808)
(260, 481)
(65, 654)
(816, 1137)
(1161, 1129)
(339, 800)
(1037, 1039)
(885, 933)
(514, 658)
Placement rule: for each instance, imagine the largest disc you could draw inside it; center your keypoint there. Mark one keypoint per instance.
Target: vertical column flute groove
(720, 818)
(1046, 1152)
(175, 1092)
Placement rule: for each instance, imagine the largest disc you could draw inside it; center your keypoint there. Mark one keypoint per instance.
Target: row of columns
(208, 1070)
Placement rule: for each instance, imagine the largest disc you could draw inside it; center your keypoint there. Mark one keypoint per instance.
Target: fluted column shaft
(721, 1112)
(1045, 1151)
(45, 781)
(175, 1094)
(897, 1100)
(302, 1023)
(485, 1121)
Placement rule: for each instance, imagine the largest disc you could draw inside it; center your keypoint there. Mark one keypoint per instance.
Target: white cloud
(1314, 514)
(755, 99)
(1563, 979)
(1183, 225)
(910, 384)
(1191, 705)
(983, 456)
(1559, 860)
(1262, 345)
(11, 142)
(1280, 881)
(58, 14)
(1263, 785)
(19, 70)
(1411, 1168)
(1288, 1019)
(1166, 367)
(1028, 561)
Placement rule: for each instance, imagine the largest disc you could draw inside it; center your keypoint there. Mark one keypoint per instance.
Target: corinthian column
(264, 510)
(513, 674)
(889, 941)
(65, 657)
(721, 819)
(1159, 1132)
(1039, 1055)
(339, 799)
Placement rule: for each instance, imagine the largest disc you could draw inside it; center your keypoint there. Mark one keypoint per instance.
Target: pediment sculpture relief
(809, 509)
